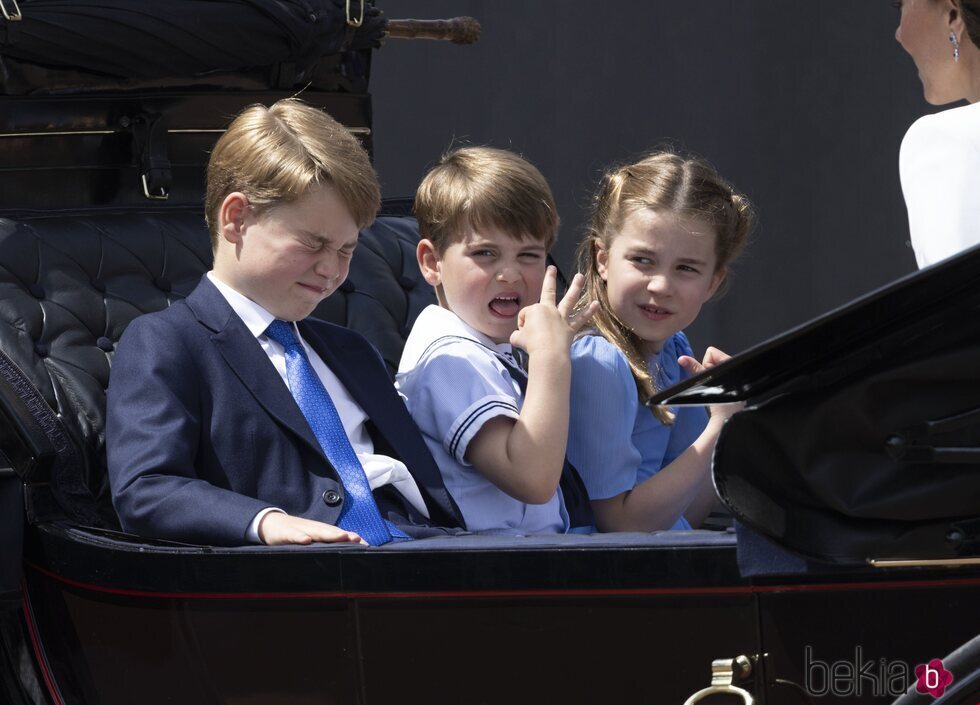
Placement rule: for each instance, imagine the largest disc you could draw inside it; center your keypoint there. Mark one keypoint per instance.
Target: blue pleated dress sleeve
(614, 441)
(603, 410)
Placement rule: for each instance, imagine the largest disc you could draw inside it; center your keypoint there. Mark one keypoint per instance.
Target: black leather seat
(71, 282)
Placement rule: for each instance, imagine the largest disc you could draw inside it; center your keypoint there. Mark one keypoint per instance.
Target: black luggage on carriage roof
(109, 43)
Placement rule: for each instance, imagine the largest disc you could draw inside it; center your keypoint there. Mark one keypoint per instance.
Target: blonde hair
(666, 183)
(481, 187)
(278, 154)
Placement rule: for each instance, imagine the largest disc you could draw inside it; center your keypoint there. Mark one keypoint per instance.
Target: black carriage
(101, 178)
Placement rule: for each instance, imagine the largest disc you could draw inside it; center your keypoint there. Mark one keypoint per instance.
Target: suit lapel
(376, 395)
(372, 391)
(361, 378)
(246, 359)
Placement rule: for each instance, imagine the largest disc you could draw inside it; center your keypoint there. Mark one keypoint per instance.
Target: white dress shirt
(380, 469)
(940, 168)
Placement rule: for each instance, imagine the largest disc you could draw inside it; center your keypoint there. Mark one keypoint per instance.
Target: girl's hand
(547, 326)
(712, 357)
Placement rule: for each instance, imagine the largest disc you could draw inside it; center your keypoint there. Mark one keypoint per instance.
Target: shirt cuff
(468, 423)
(252, 534)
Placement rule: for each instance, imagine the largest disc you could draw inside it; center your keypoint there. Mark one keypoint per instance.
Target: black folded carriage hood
(863, 441)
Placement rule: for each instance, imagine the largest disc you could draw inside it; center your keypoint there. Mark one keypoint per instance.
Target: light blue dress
(614, 441)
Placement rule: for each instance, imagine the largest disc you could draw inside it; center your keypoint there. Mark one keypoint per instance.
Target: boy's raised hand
(524, 458)
(549, 325)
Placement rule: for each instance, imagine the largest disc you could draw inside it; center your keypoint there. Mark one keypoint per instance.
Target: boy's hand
(712, 357)
(277, 529)
(524, 458)
(546, 326)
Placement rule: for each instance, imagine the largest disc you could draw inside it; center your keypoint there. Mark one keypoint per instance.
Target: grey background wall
(801, 104)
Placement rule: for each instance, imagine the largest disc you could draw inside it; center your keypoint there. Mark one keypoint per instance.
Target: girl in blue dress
(663, 233)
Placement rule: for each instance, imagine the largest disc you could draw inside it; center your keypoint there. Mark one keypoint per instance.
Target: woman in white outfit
(940, 157)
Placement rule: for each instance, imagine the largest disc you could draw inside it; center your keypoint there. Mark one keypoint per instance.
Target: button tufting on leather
(162, 284)
(98, 285)
(42, 349)
(347, 287)
(105, 344)
(37, 291)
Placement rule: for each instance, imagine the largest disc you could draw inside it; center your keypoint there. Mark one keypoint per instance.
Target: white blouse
(939, 165)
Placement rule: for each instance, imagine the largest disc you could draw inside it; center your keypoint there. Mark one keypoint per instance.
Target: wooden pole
(459, 30)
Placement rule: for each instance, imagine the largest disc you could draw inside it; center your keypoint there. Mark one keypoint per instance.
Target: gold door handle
(718, 689)
(724, 674)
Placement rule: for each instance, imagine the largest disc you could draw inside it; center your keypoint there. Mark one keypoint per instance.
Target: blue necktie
(360, 511)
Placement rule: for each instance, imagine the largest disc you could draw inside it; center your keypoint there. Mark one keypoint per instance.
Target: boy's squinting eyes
(293, 256)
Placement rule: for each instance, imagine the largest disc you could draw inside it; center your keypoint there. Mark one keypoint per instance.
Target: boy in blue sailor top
(487, 219)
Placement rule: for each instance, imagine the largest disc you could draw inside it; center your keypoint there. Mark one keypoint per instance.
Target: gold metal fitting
(350, 20)
(15, 16)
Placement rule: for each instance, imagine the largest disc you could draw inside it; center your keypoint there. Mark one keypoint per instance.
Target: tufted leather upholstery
(70, 283)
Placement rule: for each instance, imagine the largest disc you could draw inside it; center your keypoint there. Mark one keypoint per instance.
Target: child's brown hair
(277, 154)
(481, 187)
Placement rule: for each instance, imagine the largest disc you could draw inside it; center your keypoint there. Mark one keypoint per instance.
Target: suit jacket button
(331, 498)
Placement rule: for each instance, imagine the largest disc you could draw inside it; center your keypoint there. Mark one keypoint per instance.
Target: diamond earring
(956, 46)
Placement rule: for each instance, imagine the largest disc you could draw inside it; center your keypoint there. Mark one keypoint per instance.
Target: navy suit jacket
(201, 432)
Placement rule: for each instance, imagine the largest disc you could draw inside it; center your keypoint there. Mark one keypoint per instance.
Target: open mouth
(655, 313)
(505, 306)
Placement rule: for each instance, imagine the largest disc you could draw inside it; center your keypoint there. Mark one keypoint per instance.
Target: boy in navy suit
(232, 417)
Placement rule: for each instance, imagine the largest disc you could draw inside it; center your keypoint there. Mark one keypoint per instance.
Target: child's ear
(231, 216)
(601, 258)
(428, 260)
(716, 281)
